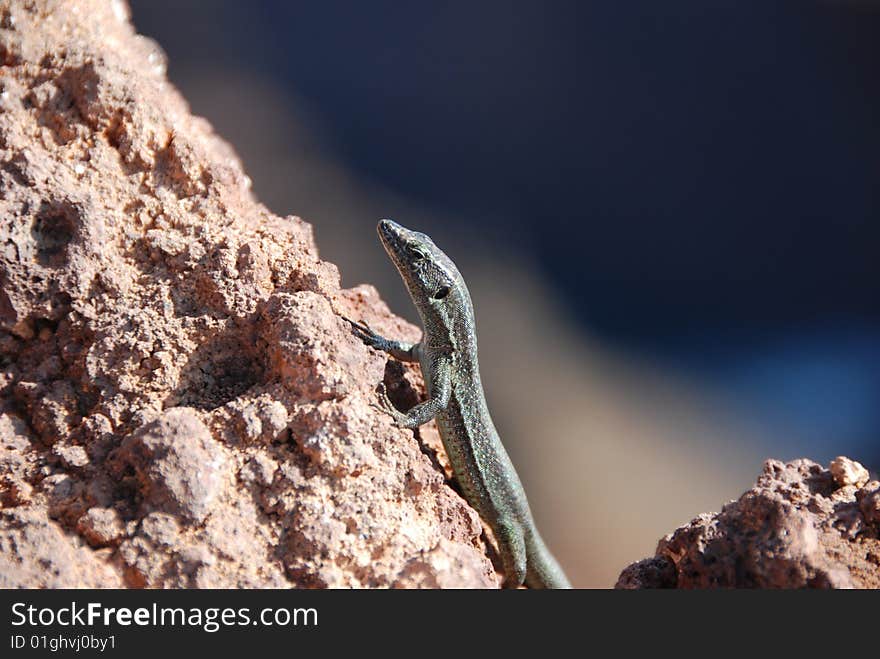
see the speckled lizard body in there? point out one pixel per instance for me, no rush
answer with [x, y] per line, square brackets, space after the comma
[447, 355]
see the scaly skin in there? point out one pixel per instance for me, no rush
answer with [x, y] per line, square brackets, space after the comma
[447, 355]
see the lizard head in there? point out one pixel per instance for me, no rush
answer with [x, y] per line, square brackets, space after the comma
[430, 275]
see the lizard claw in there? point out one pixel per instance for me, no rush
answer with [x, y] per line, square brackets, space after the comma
[360, 326]
[384, 405]
[384, 401]
[365, 333]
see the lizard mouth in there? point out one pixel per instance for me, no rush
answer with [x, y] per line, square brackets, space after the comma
[391, 235]
[389, 232]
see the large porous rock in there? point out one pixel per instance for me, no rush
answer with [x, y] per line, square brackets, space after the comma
[181, 401]
[800, 526]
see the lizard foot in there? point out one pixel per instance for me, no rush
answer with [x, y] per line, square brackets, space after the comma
[367, 334]
[384, 404]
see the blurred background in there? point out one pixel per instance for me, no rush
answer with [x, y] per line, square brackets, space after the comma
[667, 214]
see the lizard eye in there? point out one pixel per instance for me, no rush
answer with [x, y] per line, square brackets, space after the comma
[417, 253]
[441, 292]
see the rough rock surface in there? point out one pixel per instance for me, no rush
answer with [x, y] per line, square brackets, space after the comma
[800, 526]
[182, 403]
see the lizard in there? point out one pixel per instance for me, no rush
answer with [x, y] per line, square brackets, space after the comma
[447, 355]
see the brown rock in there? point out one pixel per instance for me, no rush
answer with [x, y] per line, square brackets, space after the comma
[181, 404]
[848, 472]
[71, 456]
[308, 348]
[36, 553]
[17, 461]
[800, 526]
[178, 466]
[869, 502]
[100, 526]
[657, 572]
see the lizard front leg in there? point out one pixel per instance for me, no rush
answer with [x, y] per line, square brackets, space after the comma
[439, 380]
[439, 383]
[405, 352]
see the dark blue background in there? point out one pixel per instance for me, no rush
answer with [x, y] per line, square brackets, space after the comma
[698, 179]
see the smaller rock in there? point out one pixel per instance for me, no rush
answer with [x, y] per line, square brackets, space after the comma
[65, 496]
[848, 472]
[18, 494]
[800, 526]
[71, 455]
[160, 529]
[14, 433]
[263, 418]
[179, 467]
[52, 408]
[259, 469]
[274, 417]
[100, 526]
[97, 435]
[650, 573]
[869, 502]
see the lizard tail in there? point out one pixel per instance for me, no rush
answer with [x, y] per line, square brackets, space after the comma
[542, 570]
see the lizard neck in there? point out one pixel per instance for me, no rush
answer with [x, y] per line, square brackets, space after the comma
[450, 323]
